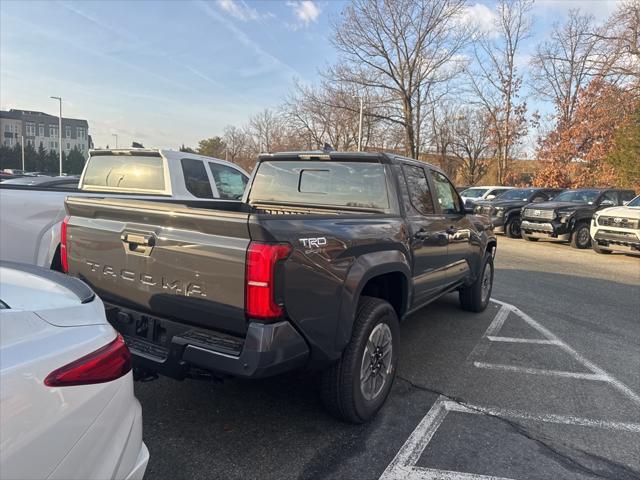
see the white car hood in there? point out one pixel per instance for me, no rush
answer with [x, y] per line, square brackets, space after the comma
[629, 212]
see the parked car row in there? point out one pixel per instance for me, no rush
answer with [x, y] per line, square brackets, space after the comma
[605, 219]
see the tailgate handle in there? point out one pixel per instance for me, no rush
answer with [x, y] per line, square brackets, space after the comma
[141, 244]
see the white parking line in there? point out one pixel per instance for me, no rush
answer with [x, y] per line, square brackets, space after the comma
[537, 341]
[541, 371]
[403, 466]
[588, 364]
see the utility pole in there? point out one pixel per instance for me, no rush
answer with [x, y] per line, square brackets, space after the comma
[22, 144]
[360, 126]
[59, 133]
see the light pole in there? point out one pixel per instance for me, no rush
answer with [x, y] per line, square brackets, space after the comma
[59, 133]
[22, 145]
[115, 135]
[360, 126]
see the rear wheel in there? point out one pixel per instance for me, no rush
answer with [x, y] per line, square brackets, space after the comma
[529, 238]
[356, 387]
[475, 297]
[598, 249]
[512, 227]
[580, 237]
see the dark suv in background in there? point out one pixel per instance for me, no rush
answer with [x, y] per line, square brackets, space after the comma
[568, 216]
[505, 209]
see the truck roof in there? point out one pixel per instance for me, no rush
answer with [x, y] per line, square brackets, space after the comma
[381, 157]
[169, 154]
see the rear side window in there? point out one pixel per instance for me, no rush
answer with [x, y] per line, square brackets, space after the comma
[418, 186]
[195, 178]
[124, 172]
[446, 194]
[229, 181]
[332, 184]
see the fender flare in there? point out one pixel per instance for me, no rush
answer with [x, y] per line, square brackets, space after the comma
[365, 268]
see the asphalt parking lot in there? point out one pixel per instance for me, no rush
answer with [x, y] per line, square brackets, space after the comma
[544, 385]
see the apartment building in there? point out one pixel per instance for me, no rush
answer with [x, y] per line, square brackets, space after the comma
[41, 128]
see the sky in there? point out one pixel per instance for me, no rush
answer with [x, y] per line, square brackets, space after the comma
[167, 73]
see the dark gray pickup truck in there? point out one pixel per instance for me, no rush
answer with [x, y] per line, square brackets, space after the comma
[312, 270]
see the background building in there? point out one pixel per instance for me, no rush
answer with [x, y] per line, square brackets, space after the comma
[42, 128]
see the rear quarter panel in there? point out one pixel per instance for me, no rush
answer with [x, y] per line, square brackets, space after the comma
[321, 284]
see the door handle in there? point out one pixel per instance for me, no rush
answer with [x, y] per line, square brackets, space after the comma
[138, 242]
[421, 234]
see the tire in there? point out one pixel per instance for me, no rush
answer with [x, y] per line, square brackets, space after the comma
[581, 237]
[598, 249]
[512, 227]
[475, 297]
[343, 393]
[528, 238]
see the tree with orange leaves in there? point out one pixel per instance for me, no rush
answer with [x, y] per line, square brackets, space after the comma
[574, 153]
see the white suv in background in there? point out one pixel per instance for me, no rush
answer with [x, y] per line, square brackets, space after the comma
[617, 229]
[472, 194]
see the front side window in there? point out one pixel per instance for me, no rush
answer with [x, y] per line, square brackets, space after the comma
[418, 187]
[195, 178]
[627, 195]
[446, 193]
[474, 192]
[610, 196]
[229, 181]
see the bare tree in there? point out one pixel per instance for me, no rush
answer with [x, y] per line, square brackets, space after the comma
[619, 38]
[472, 144]
[565, 63]
[496, 82]
[264, 129]
[398, 50]
[236, 142]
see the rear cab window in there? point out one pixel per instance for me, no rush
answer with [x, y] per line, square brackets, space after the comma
[127, 173]
[350, 185]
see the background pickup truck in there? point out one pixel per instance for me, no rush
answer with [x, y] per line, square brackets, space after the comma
[568, 216]
[31, 214]
[312, 270]
[617, 229]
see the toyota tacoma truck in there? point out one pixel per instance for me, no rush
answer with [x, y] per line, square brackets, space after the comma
[617, 229]
[312, 270]
[505, 210]
[568, 216]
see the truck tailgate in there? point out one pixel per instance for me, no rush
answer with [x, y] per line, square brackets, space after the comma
[165, 259]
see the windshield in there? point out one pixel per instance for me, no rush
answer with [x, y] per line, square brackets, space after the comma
[635, 202]
[578, 196]
[339, 184]
[474, 192]
[124, 172]
[517, 194]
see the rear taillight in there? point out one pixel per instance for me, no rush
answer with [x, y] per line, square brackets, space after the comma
[262, 259]
[64, 251]
[104, 365]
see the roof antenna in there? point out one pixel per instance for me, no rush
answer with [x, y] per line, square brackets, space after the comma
[328, 148]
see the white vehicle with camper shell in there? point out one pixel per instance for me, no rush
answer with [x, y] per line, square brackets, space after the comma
[472, 194]
[617, 229]
[31, 214]
[67, 408]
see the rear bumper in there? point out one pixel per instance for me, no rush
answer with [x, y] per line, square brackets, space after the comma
[178, 350]
[141, 464]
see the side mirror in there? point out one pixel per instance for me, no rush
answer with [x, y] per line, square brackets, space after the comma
[490, 197]
[607, 203]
